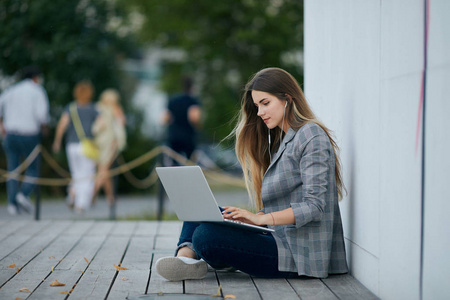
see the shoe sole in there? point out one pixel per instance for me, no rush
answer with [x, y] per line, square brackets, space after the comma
[174, 269]
[27, 207]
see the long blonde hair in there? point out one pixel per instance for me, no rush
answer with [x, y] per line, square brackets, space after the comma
[252, 142]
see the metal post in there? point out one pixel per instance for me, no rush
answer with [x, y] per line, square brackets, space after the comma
[161, 192]
[112, 208]
[37, 211]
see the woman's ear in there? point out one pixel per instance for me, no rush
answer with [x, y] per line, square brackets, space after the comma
[288, 98]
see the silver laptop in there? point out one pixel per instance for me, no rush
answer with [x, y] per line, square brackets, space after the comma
[192, 198]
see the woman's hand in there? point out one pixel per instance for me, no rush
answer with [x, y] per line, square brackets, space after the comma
[242, 215]
[282, 217]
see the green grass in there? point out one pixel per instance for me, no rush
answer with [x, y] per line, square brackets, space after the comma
[149, 216]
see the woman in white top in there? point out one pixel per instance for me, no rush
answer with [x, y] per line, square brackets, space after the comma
[82, 168]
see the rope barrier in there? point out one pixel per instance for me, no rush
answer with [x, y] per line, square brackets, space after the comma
[14, 174]
[138, 183]
[54, 164]
[124, 169]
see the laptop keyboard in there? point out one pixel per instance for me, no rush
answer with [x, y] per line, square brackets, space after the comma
[233, 221]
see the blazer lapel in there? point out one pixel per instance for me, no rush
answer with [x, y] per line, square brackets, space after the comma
[287, 138]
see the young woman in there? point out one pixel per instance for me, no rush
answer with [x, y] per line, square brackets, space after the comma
[292, 171]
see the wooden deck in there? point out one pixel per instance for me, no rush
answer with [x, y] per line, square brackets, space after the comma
[82, 255]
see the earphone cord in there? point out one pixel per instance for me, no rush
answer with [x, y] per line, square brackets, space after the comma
[270, 154]
[282, 123]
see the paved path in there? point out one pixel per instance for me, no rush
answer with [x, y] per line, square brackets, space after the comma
[127, 207]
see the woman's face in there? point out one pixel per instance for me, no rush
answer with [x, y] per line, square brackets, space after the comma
[270, 109]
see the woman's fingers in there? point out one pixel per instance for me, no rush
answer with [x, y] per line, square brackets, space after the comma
[238, 214]
[232, 212]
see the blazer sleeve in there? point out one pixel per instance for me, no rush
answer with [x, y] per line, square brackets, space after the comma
[314, 170]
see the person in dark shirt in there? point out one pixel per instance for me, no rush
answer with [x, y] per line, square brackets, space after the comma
[183, 115]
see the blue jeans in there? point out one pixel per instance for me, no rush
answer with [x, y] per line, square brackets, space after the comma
[224, 246]
[18, 148]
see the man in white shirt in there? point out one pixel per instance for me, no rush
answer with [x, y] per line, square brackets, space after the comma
[24, 114]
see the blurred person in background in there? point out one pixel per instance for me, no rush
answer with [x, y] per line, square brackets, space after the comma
[24, 114]
[110, 137]
[183, 116]
[82, 168]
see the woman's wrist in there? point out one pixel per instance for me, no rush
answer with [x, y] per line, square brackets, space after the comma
[268, 219]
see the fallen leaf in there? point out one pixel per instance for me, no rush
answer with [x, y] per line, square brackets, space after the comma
[18, 298]
[86, 260]
[12, 266]
[57, 283]
[120, 268]
[219, 290]
[124, 279]
[25, 290]
[53, 268]
[229, 296]
[82, 272]
[17, 270]
[64, 292]
[50, 257]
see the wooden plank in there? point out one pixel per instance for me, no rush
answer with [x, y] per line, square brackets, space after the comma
[146, 228]
[22, 255]
[238, 284]
[101, 228]
[9, 227]
[100, 274]
[137, 260]
[275, 289]
[170, 228]
[86, 249]
[71, 268]
[36, 271]
[347, 287]
[166, 244]
[16, 239]
[206, 286]
[160, 285]
[78, 228]
[311, 289]
[124, 228]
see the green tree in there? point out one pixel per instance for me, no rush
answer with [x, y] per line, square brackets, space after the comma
[224, 42]
[70, 41]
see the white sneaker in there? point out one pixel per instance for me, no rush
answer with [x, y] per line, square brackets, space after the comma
[24, 202]
[12, 210]
[181, 268]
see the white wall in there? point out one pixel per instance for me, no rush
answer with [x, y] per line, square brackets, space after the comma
[436, 273]
[363, 73]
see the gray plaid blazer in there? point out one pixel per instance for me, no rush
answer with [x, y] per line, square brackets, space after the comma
[301, 176]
